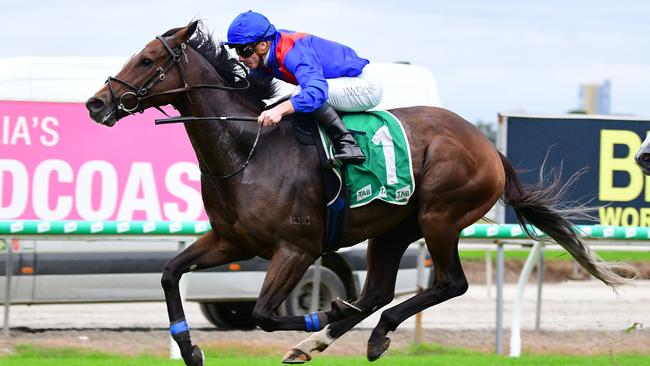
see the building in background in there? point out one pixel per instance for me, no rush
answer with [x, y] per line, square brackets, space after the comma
[595, 98]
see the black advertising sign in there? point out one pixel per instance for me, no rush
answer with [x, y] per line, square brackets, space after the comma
[604, 145]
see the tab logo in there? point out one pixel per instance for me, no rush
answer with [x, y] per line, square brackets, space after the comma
[403, 193]
[470, 230]
[44, 226]
[123, 227]
[69, 227]
[516, 231]
[148, 227]
[175, 227]
[96, 227]
[201, 227]
[364, 192]
[17, 226]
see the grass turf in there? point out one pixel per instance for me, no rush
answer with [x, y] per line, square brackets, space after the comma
[27, 355]
[557, 255]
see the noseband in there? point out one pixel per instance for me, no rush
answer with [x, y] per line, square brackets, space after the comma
[140, 94]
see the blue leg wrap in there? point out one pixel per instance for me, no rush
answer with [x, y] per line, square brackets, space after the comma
[308, 322]
[312, 323]
[179, 327]
[314, 317]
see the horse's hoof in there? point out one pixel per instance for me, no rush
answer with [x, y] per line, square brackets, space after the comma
[377, 348]
[296, 356]
[196, 359]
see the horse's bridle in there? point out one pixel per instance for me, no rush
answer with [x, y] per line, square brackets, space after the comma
[141, 94]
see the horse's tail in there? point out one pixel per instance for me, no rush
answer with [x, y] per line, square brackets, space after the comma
[540, 206]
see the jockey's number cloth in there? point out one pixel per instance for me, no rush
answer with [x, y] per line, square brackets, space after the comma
[387, 173]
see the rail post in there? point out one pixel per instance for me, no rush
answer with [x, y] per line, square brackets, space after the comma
[518, 306]
[499, 300]
[488, 273]
[418, 289]
[315, 288]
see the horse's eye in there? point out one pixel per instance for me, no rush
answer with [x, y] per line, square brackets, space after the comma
[146, 62]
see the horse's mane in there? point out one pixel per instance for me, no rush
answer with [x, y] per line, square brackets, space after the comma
[227, 67]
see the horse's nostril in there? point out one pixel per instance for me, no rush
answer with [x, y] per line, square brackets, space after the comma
[94, 104]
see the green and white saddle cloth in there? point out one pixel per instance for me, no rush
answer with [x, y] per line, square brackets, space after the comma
[387, 173]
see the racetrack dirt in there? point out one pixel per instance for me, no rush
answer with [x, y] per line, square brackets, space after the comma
[578, 317]
[257, 342]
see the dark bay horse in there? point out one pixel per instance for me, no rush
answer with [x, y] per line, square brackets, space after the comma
[458, 174]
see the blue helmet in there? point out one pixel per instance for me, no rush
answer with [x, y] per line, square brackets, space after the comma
[250, 27]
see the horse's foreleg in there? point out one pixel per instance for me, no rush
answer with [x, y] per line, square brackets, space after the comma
[208, 251]
[449, 282]
[383, 256]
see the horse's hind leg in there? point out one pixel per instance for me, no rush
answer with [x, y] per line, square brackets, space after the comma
[208, 251]
[449, 282]
[286, 267]
[383, 256]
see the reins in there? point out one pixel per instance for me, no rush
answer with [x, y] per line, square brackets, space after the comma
[142, 93]
[164, 121]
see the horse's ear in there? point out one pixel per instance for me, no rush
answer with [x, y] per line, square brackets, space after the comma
[185, 33]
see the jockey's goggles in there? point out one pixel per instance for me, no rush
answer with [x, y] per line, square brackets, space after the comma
[245, 50]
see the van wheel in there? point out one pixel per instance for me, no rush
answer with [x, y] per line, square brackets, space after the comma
[230, 315]
[299, 300]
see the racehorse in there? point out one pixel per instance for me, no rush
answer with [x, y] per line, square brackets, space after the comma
[250, 199]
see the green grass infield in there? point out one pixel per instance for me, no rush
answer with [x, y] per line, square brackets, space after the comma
[558, 255]
[27, 355]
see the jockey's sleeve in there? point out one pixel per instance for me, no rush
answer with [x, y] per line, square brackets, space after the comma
[309, 75]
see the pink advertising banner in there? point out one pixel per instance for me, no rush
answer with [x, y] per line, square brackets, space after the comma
[57, 164]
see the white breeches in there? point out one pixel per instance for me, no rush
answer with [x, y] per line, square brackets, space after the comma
[348, 94]
[355, 94]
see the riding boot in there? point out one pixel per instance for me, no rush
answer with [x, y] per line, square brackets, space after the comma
[346, 149]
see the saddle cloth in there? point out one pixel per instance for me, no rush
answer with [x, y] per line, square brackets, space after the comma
[387, 173]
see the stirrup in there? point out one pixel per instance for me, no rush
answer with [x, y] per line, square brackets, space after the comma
[348, 157]
[348, 152]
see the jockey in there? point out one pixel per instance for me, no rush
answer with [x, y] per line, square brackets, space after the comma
[328, 76]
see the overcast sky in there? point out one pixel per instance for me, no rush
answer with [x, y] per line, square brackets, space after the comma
[487, 56]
